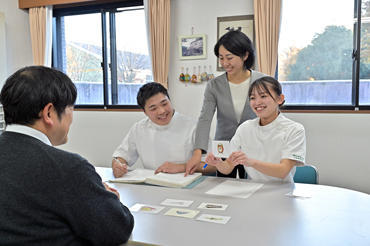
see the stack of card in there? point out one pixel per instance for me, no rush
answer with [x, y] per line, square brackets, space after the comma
[179, 210]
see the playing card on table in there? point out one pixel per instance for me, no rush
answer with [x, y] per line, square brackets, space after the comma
[146, 208]
[182, 212]
[214, 218]
[176, 203]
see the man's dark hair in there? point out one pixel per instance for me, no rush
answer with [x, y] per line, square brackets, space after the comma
[238, 44]
[30, 89]
[148, 90]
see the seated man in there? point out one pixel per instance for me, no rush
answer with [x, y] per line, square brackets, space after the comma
[49, 196]
[163, 141]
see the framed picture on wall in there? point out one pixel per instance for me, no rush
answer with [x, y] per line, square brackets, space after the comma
[192, 47]
[244, 23]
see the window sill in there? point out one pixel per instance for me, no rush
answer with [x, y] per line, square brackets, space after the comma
[110, 109]
[327, 111]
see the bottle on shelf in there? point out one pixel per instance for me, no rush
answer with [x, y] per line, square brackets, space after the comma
[194, 76]
[204, 75]
[199, 77]
[187, 76]
[210, 74]
[182, 75]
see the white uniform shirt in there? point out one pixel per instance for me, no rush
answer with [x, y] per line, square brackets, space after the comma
[155, 144]
[281, 139]
[239, 94]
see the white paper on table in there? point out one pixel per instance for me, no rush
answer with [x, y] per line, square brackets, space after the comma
[176, 203]
[235, 189]
[214, 218]
[221, 149]
[135, 176]
[213, 206]
[146, 208]
[182, 212]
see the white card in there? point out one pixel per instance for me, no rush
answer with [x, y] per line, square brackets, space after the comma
[214, 218]
[221, 149]
[213, 206]
[176, 203]
[182, 212]
[146, 208]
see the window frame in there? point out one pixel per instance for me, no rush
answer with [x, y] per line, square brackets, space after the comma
[103, 9]
[356, 54]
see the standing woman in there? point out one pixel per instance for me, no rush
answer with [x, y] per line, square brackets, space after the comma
[228, 93]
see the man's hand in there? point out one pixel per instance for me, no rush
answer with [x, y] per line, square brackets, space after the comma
[119, 167]
[193, 163]
[169, 167]
[108, 188]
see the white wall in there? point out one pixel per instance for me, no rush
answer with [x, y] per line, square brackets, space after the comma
[3, 64]
[17, 41]
[338, 144]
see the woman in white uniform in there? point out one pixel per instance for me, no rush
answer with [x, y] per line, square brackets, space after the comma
[270, 146]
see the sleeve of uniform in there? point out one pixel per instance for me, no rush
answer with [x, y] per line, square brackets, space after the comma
[295, 146]
[205, 119]
[127, 149]
[94, 214]
[236, 141]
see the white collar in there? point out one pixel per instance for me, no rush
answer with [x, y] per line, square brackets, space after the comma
[26, 130]
[163, 127]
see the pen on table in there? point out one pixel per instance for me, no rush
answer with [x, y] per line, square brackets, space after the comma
[205, 165]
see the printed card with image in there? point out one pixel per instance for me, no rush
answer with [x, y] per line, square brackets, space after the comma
[213, 206]
[146, 208]
[221, 149]
[182, 212]
[214, 218]
[177, 203]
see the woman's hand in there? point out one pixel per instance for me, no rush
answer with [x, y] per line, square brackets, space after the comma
[239, 157]
[212, 160]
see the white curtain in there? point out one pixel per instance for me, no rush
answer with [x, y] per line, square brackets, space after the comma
[146, 12]
[41, 34]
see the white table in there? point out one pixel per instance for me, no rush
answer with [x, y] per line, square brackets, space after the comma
[332, 216]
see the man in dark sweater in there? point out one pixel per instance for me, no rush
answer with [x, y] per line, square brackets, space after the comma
[49, 196]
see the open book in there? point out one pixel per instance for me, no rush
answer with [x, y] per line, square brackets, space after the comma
[176, 180]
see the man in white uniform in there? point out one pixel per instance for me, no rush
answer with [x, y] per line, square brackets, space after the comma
[163, 141]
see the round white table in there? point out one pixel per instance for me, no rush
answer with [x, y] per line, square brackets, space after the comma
[331, 216]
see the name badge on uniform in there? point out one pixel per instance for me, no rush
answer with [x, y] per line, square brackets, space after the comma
[221, 149]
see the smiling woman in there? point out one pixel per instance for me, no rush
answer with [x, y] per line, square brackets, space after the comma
[236, 53]
[270, 146]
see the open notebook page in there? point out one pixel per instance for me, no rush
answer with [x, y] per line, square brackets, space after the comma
[135, 176]
[175, 180]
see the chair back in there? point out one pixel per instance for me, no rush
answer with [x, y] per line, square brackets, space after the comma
[307, 174]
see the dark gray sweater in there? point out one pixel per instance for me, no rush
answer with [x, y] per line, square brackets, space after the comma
[52, 197]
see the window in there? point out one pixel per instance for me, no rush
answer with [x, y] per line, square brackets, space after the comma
[324, 54]
[104, 50]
